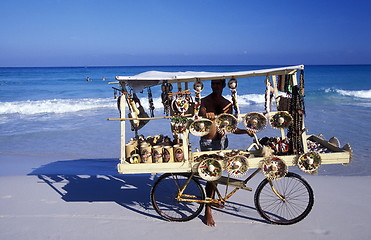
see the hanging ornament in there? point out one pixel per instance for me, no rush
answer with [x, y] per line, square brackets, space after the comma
[178, 124]
[309, 162]
[301, 83]
[210, 169]
[166, 97]
[281, 120]
[237, 166]
[232, 84]
[273, 168]
[198, 86]
[200, 127]
[226, 123]
[296, 129]
[180, 104]
[255, 121]
[268, 97]
[150, 100]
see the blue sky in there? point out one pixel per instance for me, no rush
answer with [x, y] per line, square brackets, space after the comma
[192, 32]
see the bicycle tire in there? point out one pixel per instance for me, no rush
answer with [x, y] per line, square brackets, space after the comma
[165, 191]
[298, 195]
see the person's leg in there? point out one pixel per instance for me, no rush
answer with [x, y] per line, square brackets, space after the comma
[224, 143]
[209, 145]
[206, 144]
[210, 193]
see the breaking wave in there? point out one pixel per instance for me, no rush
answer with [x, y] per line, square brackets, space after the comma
[357, 94]
[60, 106]
[57, 106]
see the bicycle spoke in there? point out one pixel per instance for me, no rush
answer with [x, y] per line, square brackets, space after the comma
[296, 204]
[164, 197]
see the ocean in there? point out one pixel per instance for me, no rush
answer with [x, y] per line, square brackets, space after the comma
[54, 114]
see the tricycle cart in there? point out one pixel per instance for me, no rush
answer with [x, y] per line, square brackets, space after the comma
[281, 198]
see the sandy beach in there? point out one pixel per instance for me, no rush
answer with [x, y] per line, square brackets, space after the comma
[87, 199]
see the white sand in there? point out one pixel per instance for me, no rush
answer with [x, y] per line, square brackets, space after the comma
[88, 200]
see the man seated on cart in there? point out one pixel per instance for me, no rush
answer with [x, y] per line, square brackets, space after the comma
[211, 106]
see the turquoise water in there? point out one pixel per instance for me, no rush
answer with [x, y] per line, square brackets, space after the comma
[55, 113]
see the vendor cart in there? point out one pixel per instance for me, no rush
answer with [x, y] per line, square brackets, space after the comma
[281, 198]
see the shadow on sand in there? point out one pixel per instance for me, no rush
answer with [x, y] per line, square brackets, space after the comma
[97, 180]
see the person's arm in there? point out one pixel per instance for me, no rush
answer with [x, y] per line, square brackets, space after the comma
[244, 131]
[228, 109]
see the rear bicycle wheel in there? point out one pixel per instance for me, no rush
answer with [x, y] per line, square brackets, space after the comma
[165, 191]
[297, 202]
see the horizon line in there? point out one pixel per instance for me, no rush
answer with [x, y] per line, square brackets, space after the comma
[184, 65]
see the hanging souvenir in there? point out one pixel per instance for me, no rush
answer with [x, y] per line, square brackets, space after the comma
[273, 168]
[179, 124]
[301, 83]
[226, 123]
[136, 111]
[114, 93]
[150, 100]
[198, 86]
[166, 97]
[200, 127]
[296, 128]
[182, 103]
[281, 120]
[281, 83]
[309, 162]
[268, 95]
[288, 84]
[210, 169]
[237, 166]
[232, 84]
[255, 121]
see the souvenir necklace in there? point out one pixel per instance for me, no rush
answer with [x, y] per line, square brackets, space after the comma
[232, 84]
[166, 97]
[268, 99]
[151, 105]
[197, 87]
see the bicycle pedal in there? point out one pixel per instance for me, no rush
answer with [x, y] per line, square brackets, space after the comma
[246, 188]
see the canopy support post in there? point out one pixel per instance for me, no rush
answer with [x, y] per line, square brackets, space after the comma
[122, 107]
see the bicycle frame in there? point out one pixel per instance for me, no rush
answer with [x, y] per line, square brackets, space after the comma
[191, 198]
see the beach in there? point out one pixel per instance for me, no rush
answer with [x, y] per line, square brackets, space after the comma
[58, 155]
[111, 206]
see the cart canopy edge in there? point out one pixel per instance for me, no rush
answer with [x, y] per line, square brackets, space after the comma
[152, 78]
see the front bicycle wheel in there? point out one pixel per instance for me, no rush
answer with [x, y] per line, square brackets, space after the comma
[164, 197]
[295, 203]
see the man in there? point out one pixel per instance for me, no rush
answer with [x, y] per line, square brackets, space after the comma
[211, 106]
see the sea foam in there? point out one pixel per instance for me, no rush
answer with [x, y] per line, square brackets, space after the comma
[358, 94]
[60, 106]
[54, 106]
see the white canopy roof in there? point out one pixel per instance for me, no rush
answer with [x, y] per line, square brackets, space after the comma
[152, 78]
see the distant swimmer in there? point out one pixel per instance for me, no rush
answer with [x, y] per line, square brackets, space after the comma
[103, 79]
[88, 79]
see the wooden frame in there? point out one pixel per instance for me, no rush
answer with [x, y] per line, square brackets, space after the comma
[337, 156]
